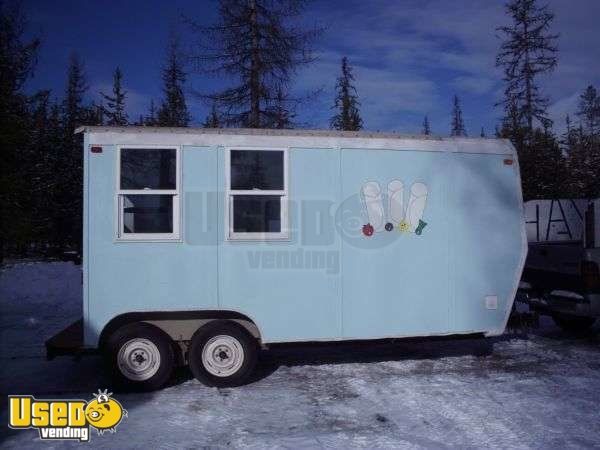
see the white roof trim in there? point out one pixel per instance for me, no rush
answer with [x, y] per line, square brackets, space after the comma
[232, 137]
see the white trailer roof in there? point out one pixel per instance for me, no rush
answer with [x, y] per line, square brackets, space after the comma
[298, 138]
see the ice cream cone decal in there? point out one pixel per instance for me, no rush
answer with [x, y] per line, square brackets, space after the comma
[395, 191]
[416, 206]
[407, 216]
[373, 204]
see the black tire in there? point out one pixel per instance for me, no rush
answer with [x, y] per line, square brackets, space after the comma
[125, 339]
[573, 324]
[211, 331]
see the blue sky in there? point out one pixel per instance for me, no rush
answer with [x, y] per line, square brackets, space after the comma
[409, 57]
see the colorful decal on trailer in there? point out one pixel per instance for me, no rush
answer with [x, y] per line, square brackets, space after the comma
[406, 218]
[373, 203]
[395, 193]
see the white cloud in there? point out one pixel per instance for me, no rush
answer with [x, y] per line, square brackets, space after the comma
[473, 84]
[385, 94]
[411, 56]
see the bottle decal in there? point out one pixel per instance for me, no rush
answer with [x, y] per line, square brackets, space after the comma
[406, 217]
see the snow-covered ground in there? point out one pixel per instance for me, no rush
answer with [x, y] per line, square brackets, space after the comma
[540, 390]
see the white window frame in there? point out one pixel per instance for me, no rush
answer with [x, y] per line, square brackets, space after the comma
[120, 235]
[231, 235]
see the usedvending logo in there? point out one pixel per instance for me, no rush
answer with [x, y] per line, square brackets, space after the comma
[66, 419]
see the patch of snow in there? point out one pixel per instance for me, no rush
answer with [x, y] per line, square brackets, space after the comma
[540, 390]
[524, 285]
[36, 301]
[567, 294]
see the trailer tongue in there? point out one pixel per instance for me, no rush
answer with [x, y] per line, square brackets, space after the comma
[67, 342]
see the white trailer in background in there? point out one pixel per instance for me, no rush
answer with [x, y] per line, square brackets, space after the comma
[561, 276]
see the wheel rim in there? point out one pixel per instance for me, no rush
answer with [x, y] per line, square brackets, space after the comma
[222, 356]
[138, 359]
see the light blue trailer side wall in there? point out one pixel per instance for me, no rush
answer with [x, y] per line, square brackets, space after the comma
[402, 284]
[486, 241]
[150, 276]
[396, 283]
[329, 280]
[291, 289]
[85, 237]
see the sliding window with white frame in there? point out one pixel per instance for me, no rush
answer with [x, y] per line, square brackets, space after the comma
[148, 193]
[256, 193]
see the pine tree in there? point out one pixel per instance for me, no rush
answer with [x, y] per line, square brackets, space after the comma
[545, 167]
[17, 60]
[346, 102]
[151, 120]
[513, 129]
[73, 110]
[570, 143]
[38, 155]
[281, 115]
[45, 157]
[173, 111]
[212, 120]
[115, 104]
[584, 147]
[260, 44]
[93, 115]
[568, 136]
[426, 127]
[528, 52]
[589, 111]
[55, 143]
[458, 126]
[68, 175]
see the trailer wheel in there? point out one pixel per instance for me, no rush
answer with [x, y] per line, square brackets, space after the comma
[222, 354]
[141, 356]
[573, 324]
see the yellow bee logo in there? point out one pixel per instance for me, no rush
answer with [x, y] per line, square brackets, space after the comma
[104, 413]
